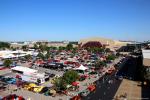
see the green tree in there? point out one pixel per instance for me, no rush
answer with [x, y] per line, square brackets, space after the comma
[59, 84]
[100, 64]
[4, 45]
[60, 48]
[111, 57]
[42, 47]
[107, 50]
[74, 50]
[24, 47]
[69, 46]
[27, 57]
[35, 46]
[41, 56]
[70, 76]
[7, 62]
[95, 49]
[48, 55]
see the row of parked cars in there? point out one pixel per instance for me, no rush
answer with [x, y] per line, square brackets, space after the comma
[12, 97]
[90, 88]
[52, 65]
[47, 91]
[122, 66]
[9, 80]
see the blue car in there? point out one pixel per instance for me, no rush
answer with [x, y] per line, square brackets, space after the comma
[10, 80]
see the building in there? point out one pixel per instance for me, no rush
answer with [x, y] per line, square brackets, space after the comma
[109, 43]
[4, 54]
[146, 58]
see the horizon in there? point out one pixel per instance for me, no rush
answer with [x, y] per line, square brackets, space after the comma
[72, 20]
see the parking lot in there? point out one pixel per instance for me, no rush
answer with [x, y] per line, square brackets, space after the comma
[13, 89]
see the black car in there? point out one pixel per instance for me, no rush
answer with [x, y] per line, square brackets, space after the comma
[44, 90]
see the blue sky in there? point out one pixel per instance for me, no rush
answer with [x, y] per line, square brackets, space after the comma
[74, 19]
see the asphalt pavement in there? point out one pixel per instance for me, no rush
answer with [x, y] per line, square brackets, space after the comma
[106, 90]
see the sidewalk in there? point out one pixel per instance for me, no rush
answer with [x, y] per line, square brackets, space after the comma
[131, 88]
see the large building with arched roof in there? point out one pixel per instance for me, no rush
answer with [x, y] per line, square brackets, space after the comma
[109, 43]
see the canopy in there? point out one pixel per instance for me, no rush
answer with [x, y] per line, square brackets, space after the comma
[81, 67]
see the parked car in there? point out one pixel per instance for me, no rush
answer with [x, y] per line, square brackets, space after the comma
[11, 80]
[45, 89]
[77, 97]
[8, 80]
[38, 89]
[29, 86]
[85, 93]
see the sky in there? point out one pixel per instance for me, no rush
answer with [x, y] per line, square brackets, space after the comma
[57, 20]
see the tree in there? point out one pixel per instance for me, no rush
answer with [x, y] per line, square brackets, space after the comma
[4, 45]
[41, 56]
[107, 50]
[42, 47]
[27, 57]
[111, 57]
[7, 62]
[60, 48]
[100, 64]
[24, 47]
[69, 46]
[95, 49]
[70, 76]
[47, 55]
[35, 46]
[60, 84]
[74, 50]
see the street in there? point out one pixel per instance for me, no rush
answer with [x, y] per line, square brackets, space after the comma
[106, 90]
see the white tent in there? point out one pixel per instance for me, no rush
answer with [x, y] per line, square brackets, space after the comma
[81, 67]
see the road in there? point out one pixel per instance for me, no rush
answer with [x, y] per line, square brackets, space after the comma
[105, 90]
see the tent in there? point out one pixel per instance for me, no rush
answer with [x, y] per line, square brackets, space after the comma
[81, 67]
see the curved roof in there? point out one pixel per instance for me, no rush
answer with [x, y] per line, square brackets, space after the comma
[92, 44]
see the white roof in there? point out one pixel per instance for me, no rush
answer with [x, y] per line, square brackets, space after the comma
[146, 54]
[24, 69]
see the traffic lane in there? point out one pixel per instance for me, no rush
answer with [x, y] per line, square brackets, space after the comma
[104, 90]
[129, 69]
